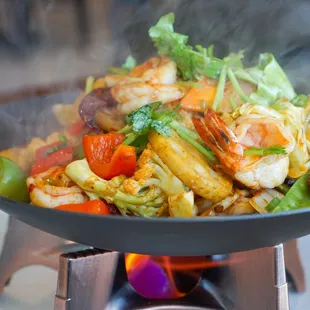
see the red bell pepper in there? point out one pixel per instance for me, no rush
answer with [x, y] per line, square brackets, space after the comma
[60, 157]
[107, 157]
[90, 207]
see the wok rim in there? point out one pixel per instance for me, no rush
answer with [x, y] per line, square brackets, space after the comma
[163, 220]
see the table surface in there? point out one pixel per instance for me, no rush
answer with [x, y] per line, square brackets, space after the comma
[33, 288]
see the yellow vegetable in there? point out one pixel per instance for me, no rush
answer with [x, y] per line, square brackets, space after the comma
[182, 205]
[190, 166]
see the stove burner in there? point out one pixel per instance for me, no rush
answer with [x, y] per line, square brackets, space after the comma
[93, 279]
[173, 307]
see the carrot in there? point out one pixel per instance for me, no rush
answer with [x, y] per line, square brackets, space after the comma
[198, 99]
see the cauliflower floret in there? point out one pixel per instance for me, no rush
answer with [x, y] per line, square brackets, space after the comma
[80, 173]
[154, 190]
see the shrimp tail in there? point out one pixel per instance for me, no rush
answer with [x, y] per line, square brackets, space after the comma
[206, 135]
[221, 140]
[223, 135]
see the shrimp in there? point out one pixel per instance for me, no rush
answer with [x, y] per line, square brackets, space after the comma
[229, 144]
[295, 120]
[53, 188]
[157, 70]
[133, 96]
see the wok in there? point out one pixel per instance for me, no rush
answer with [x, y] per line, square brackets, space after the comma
[158, 236]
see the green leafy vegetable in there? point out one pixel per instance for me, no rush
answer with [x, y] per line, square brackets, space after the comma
[257, 151]
[272, 82]
[192, 63]
[191, 137]
[146, 118]
[149, 117]
[89, 84]
[283, 188]
[273, 204]
[236, 85]
[129, 64]
[300, 100]
[298, 196]
[233, 60]
[220, 89]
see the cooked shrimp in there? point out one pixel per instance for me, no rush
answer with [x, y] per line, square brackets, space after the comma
[295, 120]
[157, 70]
[53, 188]
[259, 131]
[133, 96]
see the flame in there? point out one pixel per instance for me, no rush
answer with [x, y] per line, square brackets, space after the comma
[169, 270]
[133, 260]
[173, 265]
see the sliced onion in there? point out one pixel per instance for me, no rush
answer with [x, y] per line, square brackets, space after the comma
[262, 198]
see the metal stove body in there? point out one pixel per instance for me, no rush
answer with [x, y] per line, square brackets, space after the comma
[93, 279]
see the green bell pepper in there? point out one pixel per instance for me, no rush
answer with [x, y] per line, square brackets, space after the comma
[12, 181]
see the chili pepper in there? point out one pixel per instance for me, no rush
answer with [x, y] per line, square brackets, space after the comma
[91, 207]
[61, 157]
[12, 181]
[107, 157]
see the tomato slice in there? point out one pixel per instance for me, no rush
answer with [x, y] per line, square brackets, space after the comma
[58, 158]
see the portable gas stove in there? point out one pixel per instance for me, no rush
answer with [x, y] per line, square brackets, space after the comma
[93, 279]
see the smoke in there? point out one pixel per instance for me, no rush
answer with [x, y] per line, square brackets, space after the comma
[281, 27]
[21, 121]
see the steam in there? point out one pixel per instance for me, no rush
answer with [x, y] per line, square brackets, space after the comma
[21, 121]
[280, 27]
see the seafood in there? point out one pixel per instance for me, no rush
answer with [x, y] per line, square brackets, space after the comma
[228, 144]
[133, 96]
[294, 120]
[156, 70]
[183, 134]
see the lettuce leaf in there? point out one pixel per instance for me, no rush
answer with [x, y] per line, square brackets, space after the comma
[192, 63]
[130, 63]
[272, 82]
[297, 197]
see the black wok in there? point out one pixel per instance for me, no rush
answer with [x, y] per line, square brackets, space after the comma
[161, 236]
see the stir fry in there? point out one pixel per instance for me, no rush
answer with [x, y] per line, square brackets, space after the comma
[183, 134]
